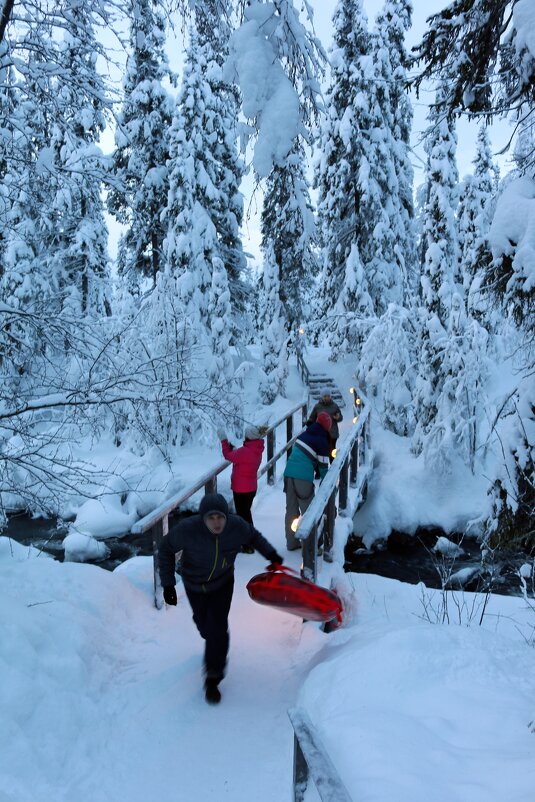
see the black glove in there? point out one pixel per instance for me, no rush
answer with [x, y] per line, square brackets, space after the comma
[169, 595]
[276, 559]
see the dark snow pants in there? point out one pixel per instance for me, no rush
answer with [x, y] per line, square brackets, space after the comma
[210, 614]
[243, 503]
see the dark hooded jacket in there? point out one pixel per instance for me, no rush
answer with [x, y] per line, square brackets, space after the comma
[310, 452]
[207, 560]
[333, 410]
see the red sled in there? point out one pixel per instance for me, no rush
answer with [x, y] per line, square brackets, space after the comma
[283, 589]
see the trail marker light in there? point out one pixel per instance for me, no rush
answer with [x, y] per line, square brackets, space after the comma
[333, 453]
[295, 524]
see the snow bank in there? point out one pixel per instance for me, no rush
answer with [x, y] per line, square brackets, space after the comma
[427, 711]
[403, 495]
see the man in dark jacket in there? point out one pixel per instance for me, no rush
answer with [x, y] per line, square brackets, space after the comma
[326, 404]
[209, 542]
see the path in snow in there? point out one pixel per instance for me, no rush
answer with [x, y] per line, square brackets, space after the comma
[166, 738]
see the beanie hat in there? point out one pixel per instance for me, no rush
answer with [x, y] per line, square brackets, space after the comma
[326, 391]
[252, 433]
[325, 421]
[213, 502]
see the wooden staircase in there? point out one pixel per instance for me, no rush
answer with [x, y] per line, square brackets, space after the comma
[316, 382]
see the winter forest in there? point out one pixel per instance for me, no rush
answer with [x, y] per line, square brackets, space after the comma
[430, 288]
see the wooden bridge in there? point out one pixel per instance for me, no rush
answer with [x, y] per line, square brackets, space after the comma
[341, 492]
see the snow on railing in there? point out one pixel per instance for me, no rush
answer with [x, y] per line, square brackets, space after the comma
[311, 758]
[352, 459]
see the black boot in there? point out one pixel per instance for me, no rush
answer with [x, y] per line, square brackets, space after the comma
[212, 694]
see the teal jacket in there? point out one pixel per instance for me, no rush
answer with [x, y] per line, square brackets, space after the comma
[310, 451]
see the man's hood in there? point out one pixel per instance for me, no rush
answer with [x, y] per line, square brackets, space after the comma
[213, 502]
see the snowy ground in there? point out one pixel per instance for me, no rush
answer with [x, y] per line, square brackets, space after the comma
[101, 695]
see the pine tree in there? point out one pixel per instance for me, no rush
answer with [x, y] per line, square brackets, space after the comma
[77, 241]
[440, 247]
[274, 337]
[214, 32]
[221, 365]
[191, 242]
[390, 143]
[288, 232]
[139, 182]
[508, 285]
[440, 236]
[386, 368]
[476, 209]
[204, 208]
[464, 370]
[353, 313]
[221, 369]
[337, 167]
[24, 281]
[482, 70]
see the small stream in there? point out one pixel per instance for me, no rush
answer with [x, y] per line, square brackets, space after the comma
[408, 558]
[46, 535]
[412, 559]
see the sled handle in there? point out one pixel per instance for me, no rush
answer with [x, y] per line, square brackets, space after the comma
[283, 568]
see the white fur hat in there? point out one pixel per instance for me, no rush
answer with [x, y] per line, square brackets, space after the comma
[254, 432]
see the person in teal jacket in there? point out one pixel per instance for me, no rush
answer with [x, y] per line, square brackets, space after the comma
[310, 452]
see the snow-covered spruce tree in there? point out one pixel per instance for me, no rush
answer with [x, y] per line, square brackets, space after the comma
[455, 431]
[353, 313]
[213, 32]
[221, 367]
[440, 248]
[274, 338]
[138, 181]
[474, 216]
[490, 74]
[191, 240]
[24, 280]
[76, 244]
[483, 71]
[220, 364]
[390, 143]
[345, 198]
[440, 232]
[387, 368]
[204, 208]
[288, 233]
[509, 284]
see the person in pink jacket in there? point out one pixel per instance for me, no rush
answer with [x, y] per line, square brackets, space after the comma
[245, 464]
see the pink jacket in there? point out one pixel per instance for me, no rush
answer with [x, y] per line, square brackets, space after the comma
[245, 464]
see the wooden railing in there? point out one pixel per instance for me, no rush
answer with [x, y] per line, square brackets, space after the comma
[311, 758]
[302, 367]
[351, 463]
[157, 521]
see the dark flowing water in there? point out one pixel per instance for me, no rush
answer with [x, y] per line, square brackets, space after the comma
[409, 558]
[47, 535]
